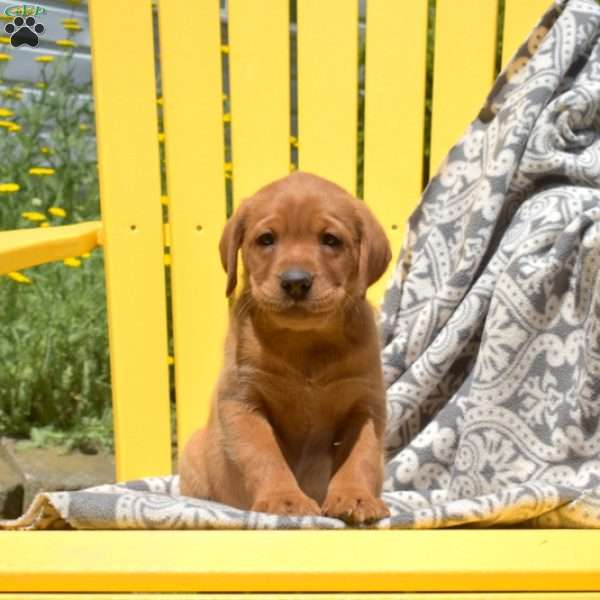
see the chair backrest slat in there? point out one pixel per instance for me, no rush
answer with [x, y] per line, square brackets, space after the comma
[126, 121]
[190, 42]
[519, 19]
[464, 64]
[327, 89]
[396, 41]
[260, 93]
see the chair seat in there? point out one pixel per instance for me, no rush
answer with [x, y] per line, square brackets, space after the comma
[302, 561]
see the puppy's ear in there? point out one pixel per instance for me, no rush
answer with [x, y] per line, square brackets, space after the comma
[231, 241]
[375, 253]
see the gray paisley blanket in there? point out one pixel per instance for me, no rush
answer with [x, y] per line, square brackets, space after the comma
[490, 327]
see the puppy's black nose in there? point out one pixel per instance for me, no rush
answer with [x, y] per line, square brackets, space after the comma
[296, 283]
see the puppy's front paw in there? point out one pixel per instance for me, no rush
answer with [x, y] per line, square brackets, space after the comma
[291, 504]
[355, 506]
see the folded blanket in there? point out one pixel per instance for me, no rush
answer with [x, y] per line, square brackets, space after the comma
[490, 327]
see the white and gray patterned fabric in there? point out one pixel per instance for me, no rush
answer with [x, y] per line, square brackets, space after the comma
[490, 328]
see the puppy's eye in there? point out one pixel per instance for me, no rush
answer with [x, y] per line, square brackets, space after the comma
[328, 239]
[266, 239]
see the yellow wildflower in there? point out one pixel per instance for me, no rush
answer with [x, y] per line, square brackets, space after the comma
[4, 39]
[170, 360]
[167, 259]
[34, 216]
[18, 277]
[14, 127]
[72, 262]
[66, 43]
[4, 56]
[7, 124]
[46, 58]
[71, 27]
[70, 21]
[9, 187]
[164, 200]
[86, 255]
[224, 48]
[45, 150]
[41, 171]
[12, 93]
[161, 137]
[227, 117]
[6, 112]
[45, 224]
[57, 211]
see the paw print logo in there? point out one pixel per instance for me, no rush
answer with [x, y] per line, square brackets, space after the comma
[24, 31]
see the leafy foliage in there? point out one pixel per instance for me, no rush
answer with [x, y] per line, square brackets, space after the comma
[54, 369]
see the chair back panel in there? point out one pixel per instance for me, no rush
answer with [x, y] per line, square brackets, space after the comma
[328, 89]
[465, 58]
[260, 101]
[128, 161]
[259, 67]
[396, 43]
[194, 149]
[519, 19]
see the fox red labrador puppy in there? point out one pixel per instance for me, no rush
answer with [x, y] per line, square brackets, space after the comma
[298, 415]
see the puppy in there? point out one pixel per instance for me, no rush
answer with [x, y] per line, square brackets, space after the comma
[298, 415]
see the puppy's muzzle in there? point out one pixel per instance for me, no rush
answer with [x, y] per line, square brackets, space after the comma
[296, 283]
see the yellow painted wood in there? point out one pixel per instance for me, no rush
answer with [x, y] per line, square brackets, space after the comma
[302, 561]
[24, 248]
[193, 117]
[396, 48]
[260, 97]
[328, 89]
[128, 161]
[464, 62]
[519, 19]
[317, 596]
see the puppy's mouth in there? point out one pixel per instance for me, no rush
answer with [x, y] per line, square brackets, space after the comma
[285, 307]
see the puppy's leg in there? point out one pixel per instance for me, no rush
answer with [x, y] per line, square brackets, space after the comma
[252, 445]
[353, 493]
[193, 476]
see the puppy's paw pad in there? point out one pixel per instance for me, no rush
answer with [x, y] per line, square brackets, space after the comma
[355, 507]
[289, 504]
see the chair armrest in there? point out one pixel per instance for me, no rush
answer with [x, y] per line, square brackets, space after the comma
[22, 248]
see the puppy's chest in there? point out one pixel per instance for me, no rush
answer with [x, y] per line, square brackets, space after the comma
[301, 405]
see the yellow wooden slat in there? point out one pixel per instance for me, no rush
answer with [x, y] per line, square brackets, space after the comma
[464, 63]
[519, 19]
[301, 561]
[126, 125]
[260, 96]
[317, 596]
[327, 89]
[193, 114]
[29, 247]
[396, 43]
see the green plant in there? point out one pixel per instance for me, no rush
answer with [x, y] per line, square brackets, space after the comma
[54, 369]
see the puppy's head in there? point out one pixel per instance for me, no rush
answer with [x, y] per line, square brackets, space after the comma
[307, 247]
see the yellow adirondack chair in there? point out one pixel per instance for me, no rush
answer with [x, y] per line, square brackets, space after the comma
[134, 237]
